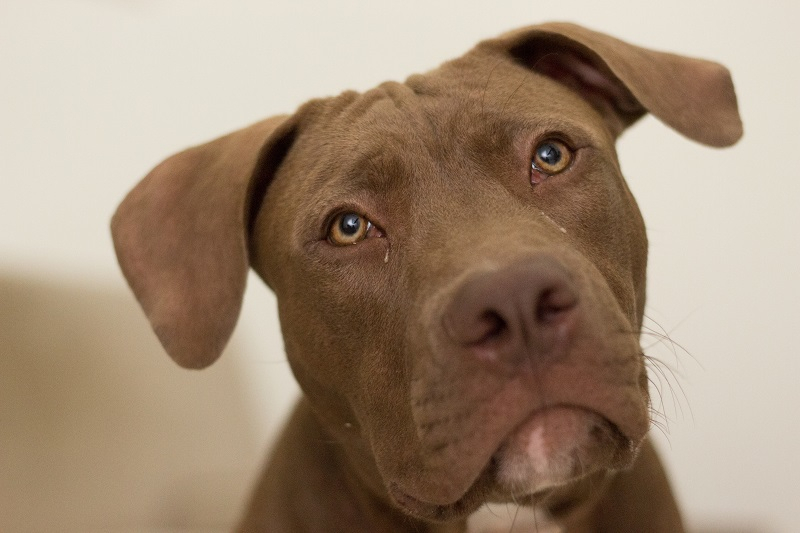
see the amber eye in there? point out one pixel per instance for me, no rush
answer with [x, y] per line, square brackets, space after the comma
[348, 228]
[551, 157]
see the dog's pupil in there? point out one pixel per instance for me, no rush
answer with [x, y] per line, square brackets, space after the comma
[549, 153]
[350, 224]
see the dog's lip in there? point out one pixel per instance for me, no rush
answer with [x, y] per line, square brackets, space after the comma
[557, 445]
[624, 442]
[475, 496]
[485, 486]
[470, 501]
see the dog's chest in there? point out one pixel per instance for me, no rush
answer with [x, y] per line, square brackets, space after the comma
[510, 518]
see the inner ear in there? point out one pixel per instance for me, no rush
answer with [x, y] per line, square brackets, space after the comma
[585, 73]
[269, 160]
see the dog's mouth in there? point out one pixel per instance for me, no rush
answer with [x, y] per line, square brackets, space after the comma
[554, 448]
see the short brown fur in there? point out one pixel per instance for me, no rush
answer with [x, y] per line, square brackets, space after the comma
[418, 408]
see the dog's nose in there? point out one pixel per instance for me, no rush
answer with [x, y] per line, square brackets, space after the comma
[523, 312]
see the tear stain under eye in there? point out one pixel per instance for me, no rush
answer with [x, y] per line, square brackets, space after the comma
[561, 228]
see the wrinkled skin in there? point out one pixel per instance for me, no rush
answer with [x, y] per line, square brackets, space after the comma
[480, 343]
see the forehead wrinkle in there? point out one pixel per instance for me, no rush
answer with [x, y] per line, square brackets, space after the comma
[370, 164]
[387, 97]
[389, 134]
[382, 141]
[378, 170]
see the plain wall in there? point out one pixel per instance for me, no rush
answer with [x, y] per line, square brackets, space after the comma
[99, 431]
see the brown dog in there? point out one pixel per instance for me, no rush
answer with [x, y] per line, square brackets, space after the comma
[460, 272]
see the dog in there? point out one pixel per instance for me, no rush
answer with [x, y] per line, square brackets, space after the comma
[460, 274]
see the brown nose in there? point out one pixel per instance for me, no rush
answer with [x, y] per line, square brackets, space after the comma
[523, 313]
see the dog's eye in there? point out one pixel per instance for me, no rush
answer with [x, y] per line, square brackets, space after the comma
[348, 228]
[550, 157]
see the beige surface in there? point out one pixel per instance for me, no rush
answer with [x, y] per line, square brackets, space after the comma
[99, 431]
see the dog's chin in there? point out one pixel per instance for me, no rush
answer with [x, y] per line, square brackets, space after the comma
[553, 448]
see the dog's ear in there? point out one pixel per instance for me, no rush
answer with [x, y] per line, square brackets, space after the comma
[623, 82]
[181, 237]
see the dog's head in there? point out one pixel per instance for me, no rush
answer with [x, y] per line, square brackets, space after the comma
[459, 265]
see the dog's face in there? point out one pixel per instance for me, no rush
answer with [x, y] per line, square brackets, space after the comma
[440, 177]
[459, 265]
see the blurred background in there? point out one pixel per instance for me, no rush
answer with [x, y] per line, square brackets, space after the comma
[100, 431]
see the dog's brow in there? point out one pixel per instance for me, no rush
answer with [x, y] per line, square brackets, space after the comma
[377, 170]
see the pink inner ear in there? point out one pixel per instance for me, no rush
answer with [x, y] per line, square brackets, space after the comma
[600, 88]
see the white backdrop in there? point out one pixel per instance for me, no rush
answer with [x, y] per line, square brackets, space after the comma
[99, 431]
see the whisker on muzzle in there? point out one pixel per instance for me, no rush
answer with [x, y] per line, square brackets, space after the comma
[665, 378]
[666, 372]
[664, 338]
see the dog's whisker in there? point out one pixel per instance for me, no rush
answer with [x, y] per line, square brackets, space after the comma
[667, 372]
[536, 519]
[660, 419]
[666, 336]
[664, 431]
[659, 416]
[670, 374]
[514, 92]
[677, 407]
[663, 340]
[486, 85]
[657, 388]
[514, 520]
[489, 508]
[662, 426]
[662, 377]
[662, 366]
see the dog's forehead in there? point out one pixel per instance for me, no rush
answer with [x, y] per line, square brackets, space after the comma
[444, 116]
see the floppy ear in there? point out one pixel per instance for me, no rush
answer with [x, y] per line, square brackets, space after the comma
[622, 81]
[181, 237]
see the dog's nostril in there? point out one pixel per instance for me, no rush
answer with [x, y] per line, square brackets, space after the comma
[491, 326]
[477, 329]
[554, 303]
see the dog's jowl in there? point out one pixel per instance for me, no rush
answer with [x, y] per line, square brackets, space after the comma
[460, 274]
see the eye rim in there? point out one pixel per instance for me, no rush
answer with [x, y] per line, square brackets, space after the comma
[336, 237]
[540, 169]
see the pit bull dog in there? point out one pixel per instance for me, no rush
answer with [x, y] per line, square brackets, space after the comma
[460, 275]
